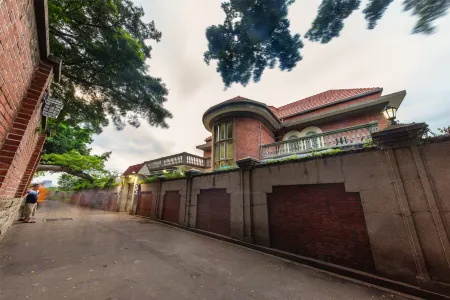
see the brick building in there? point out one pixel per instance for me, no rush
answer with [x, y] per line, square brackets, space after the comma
[242, 128]
[344, 118]
[26, 72]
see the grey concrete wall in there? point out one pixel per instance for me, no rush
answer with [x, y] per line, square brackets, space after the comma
[60, 196]
[9, 212]
[229, 181]
[405, 194]
[105, 199]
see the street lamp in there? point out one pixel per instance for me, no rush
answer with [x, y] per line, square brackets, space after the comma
[390, 113]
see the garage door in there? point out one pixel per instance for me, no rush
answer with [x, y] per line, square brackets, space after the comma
[171, 207]
[213, 211]
[145, 204]
[320, 221]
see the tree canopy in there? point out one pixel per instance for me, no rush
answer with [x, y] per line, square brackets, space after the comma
[65, 137]
[104, 48]
[256, 34]
[104, 45]
[72, 162]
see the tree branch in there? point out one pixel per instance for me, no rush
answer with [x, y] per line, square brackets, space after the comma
[55, 168]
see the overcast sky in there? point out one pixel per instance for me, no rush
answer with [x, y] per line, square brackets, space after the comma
[388, 57]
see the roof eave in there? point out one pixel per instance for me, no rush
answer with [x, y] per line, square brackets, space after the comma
[394, 100]
[204, 147]
[41, 12]
[333, 103]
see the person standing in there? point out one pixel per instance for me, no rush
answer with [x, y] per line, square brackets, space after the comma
[31, 203]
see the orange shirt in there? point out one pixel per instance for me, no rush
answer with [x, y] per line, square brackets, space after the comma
[43, 193]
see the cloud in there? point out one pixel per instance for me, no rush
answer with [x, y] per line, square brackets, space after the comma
[388, 56]
[130, 146]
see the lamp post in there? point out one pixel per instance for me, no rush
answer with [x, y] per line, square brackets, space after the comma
[390, 113]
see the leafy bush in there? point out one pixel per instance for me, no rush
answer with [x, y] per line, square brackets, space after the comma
[315, 154]
[369, 144]
[444, 131]
[177, 174]
[226, 168]
[329, 152]
[174, 175]
[151, 179]
[102, 180]
[277, 160]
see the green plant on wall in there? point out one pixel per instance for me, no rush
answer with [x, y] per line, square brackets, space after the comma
[168, 175]
[151, 179]
[444, 131]
[369, 144]
[226, 168]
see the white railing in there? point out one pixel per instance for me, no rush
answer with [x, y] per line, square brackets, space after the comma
[178, 160]
[343, 138]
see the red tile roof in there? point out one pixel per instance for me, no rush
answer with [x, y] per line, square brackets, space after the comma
[325, 98]
[328, 97]
[133, 169]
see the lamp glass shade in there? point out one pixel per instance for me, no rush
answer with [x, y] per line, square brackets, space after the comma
[390, 112]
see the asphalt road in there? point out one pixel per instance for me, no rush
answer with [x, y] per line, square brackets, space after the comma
[104, 256]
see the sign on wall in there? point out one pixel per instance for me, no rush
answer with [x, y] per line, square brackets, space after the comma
[52, 108]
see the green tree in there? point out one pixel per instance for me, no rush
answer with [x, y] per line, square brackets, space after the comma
[332, 13]
[255, 33]
[69, 182]
[72, 162]
[104, 48]
[65, 137]
[330, 19]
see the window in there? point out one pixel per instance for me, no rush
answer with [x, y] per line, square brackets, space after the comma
[223, 144]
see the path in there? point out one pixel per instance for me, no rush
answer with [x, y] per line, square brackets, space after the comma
[102, 255]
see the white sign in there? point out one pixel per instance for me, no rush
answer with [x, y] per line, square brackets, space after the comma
[52, 108]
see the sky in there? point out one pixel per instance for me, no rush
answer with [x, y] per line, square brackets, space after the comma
[388, 56]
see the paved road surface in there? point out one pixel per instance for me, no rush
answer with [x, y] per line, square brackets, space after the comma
[101, 256]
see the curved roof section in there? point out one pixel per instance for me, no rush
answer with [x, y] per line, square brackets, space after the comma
[239, 106]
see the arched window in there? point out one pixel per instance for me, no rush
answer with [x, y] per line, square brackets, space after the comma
[291, 135]
[311, 130]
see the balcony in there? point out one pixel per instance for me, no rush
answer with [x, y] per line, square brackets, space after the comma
[347, 138]
[178, 160]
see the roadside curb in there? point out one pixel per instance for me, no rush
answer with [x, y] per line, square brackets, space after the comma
[350, 274]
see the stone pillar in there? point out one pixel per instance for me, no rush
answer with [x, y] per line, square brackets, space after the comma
[246, 165]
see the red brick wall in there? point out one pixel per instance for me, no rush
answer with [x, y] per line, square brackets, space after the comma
[31, 167]
[346, 122]
[354, 121]
[19, 57]
[21, 141]
[321, 221]
[206, 153]
[249, 135]
[22, 82]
